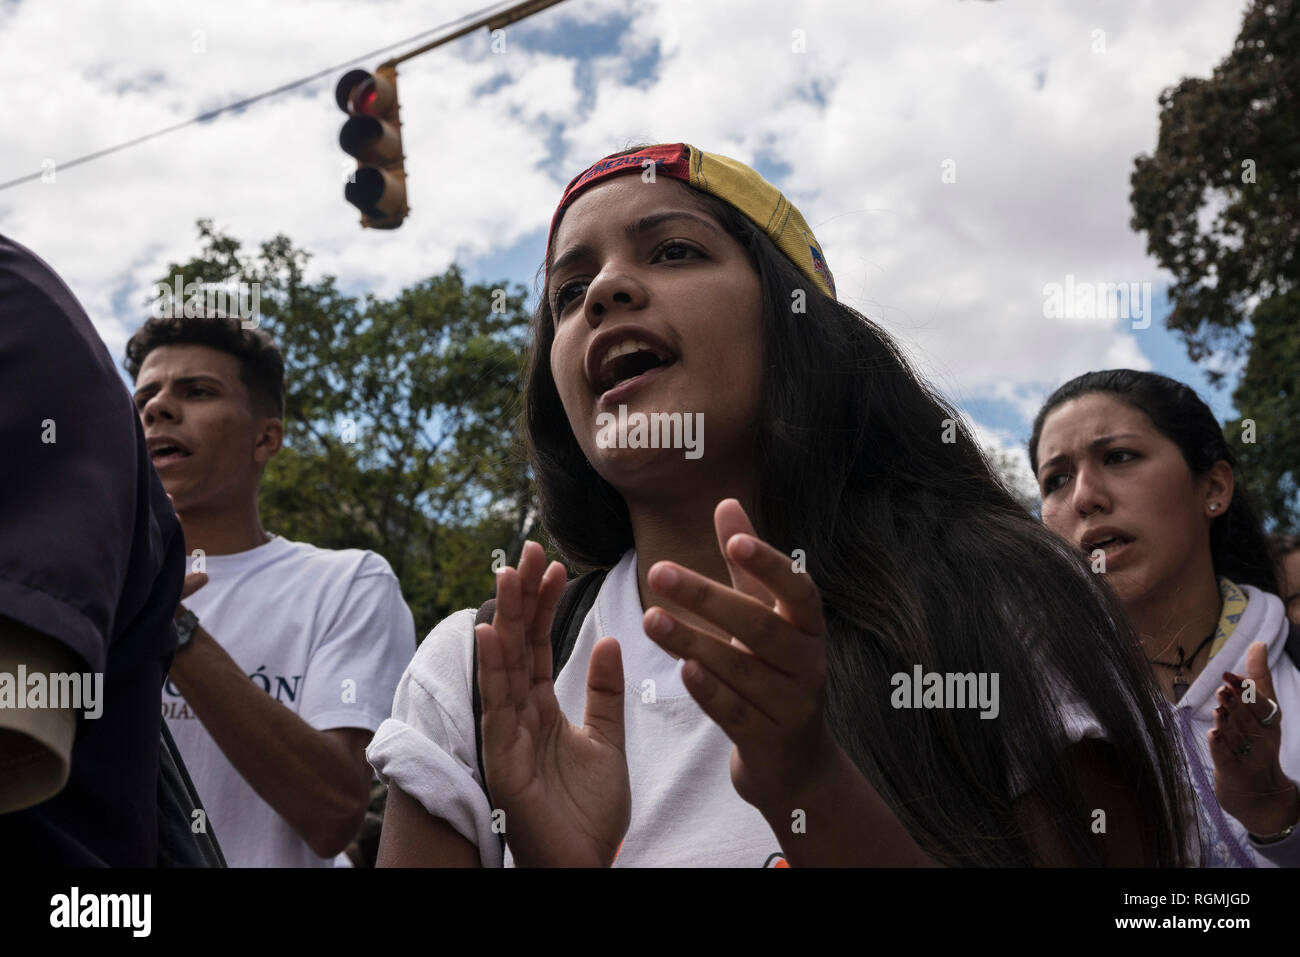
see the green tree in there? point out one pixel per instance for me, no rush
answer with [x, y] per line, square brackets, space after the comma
[1015, 475]
[401, 419]
[1219, 201]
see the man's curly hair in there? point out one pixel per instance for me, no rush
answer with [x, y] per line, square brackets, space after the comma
[260, 362]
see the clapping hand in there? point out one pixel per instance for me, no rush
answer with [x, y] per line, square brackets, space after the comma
[564, 789]
[764, 683]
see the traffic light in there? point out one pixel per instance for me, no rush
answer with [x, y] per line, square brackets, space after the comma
[373, 134]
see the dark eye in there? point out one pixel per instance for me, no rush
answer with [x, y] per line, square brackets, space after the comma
[199, 390]
[678, 245]
[1050, 484]
[563, 297]
[1112, 456]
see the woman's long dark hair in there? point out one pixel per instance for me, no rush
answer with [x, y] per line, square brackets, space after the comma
[922, 557]
[1238, 546]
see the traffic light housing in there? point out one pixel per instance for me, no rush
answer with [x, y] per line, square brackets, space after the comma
[373, 135]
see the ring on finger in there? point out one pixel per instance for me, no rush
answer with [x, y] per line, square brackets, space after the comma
[1272, 715]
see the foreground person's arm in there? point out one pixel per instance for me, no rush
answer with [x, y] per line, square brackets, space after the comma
[318, 781]
[412, 837]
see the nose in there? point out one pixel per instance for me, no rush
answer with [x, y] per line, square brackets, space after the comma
[160, 406]
[613, 290]
[1089, 491]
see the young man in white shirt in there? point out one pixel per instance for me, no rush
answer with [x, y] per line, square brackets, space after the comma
[289, 653]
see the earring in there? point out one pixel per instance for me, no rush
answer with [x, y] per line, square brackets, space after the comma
[1214, 506]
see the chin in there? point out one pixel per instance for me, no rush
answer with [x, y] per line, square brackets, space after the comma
[641, 468]
[1130, 587]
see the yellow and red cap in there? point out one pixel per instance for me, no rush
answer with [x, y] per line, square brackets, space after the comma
[729, 180]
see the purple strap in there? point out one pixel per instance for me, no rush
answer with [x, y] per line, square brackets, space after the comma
[1205, 791]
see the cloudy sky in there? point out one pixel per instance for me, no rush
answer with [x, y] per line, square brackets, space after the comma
[953, 156]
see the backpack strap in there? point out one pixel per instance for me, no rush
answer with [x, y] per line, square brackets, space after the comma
[178, 844]
[570, 612]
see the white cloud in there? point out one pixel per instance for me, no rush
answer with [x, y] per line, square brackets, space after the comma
[1042, 129]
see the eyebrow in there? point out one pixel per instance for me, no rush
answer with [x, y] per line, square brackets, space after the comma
[1094, 444]
[152, 387]
[642, 225]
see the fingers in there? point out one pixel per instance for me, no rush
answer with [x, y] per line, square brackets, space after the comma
[605, 692]
[738, 718]
[1220, 749]
[525, 609]
[508, 625]
[193, 582]
[1253, 713]
[729, 519]
[503, 713]
[747, 675]
[1236, 727]
[532, 562]
[779, 636]
[1257, 668]
[798, 599]
[539, 630]
[759, 627]
[1230, 733]
[494, 685]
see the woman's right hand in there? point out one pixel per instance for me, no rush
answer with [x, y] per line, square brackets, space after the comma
[1248, 778]
[564, 790]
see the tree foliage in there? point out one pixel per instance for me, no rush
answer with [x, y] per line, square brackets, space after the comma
[400, 422]
[1219, 201]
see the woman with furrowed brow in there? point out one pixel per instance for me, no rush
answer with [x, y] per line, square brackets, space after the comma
[732, 695]
[1135, 473]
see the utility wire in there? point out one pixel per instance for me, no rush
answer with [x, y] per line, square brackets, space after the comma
[212, 114]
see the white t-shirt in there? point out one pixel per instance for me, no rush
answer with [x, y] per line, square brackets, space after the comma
[326, 633]
[685, 811]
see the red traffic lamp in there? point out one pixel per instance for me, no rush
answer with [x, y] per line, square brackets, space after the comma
[373, 134]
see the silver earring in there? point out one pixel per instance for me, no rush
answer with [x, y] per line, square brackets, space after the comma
[1214, 506]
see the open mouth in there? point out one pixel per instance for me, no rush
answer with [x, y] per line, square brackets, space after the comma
[1111, 544]
[165, 453]
[628, 360]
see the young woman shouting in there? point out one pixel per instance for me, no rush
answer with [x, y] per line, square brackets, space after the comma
[830, 638]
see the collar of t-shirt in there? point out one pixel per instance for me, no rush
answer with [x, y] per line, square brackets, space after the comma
[221, 566]
[1234, 604]
[619, 613]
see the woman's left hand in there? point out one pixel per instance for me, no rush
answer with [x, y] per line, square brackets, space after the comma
[763, 681]
[1248, 777]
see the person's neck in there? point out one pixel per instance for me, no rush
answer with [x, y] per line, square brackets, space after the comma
[1179, 615]
[223, 529]
[681, 532]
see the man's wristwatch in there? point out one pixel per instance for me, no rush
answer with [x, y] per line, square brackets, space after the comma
[186, 622]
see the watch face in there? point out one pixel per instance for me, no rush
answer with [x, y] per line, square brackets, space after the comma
[185, 626]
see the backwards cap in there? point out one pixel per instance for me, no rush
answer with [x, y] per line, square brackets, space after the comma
[730, 181]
